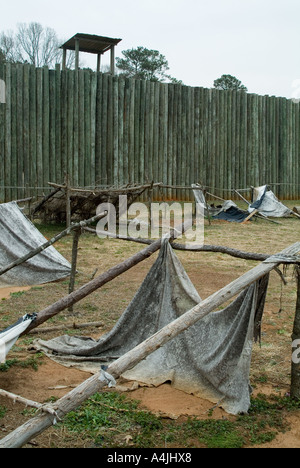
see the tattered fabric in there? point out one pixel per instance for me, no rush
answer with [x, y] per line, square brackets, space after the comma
[211, 359]
[10, 335]
[266, 202]
[18, 237]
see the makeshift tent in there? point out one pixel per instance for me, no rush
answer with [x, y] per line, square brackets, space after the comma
[210, 359]
[228, 211]
[18, 237]
[267, 204]
[9, 336]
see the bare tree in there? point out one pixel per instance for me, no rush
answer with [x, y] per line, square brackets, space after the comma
[37, 45]
[8, 47]
[33, 44]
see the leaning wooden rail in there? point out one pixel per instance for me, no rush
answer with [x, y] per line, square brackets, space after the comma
[96, 383]
[189, 248]
[76, 296]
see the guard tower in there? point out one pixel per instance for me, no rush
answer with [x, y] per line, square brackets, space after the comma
[91, 44]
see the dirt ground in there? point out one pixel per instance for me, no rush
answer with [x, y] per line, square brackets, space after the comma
[270, 370]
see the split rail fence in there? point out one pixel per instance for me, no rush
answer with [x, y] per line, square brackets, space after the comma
[110, 131]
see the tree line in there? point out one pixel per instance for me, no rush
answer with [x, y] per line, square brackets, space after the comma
[39, 46]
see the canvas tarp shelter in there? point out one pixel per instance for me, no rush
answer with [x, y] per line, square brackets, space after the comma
[267, 204]
[18, 237]
[9, 336]
[228, 211]
[210, 359]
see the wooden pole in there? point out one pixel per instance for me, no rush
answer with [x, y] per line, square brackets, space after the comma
[19, 399]
[68, 202]
[64, 60]
[98, 62]
[97, 382]
[191, 248]
[67, 326]
[295, 373]
[254, 212]
[112, 60]
[76, 54]
[76, 236]
[98, 282]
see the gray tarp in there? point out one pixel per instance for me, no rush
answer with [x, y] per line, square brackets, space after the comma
[211, 359]
[18, 237]
[229, 211]
[268, 204]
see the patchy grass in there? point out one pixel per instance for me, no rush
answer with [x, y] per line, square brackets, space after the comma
[112, 420]
[3, 411]
[32, 361]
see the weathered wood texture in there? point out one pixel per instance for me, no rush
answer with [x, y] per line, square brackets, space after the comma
[295, 370]
[109, 131]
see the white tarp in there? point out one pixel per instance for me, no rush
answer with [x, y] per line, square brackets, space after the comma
[229, 211]
[9, 336]
[18, 237]
[265, 201]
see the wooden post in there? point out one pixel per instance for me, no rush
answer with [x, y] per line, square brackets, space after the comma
[98, 62]
[150, 198]
[76, 54]
[295, 374]
[68, 203]
[96, 383]
[76, 236]
[206, 207]
[64, 61]
[112, 60]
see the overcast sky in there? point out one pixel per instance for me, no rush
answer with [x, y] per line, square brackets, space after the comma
[255, 40]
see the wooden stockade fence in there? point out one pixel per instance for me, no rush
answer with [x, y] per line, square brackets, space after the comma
[108, 131]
